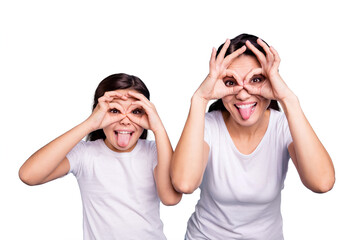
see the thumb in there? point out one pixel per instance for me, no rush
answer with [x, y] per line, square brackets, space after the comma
[234, 90]
[252, 89]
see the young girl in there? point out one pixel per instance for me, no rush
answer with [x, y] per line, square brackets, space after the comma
[121, 175]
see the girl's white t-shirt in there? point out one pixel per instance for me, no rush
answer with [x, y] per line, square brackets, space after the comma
[241, 194]
[118, 191]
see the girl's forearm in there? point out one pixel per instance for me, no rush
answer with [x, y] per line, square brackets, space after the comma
[313, 162]
[44, 161]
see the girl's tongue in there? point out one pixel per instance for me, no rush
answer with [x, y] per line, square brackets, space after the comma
[123, 138]
[246, 110]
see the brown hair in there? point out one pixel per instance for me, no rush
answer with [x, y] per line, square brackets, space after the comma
[114, 82]
[235, 44]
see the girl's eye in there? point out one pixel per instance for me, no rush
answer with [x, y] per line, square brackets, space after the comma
[114, 110]
[229, 83]
[137, 111]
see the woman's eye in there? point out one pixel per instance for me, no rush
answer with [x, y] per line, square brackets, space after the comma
[229, 83]
[256, 80]
[137, 111]
[114, 110]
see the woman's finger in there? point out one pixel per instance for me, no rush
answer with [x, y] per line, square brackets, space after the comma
[233, 74]
[250, 75]
[254, 90]
[276, 58]
[221, 55]
[269, 54]
[212, 58]
[260, 56]
[228, 60]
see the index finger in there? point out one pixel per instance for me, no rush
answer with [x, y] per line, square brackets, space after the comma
[232, 56]
[260, 56]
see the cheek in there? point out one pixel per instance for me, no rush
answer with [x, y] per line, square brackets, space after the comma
[227, 99]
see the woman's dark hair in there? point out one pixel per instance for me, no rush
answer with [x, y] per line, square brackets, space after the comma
[235, 44]
[115, 82]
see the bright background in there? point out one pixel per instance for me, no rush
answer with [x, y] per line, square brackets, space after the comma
[54, 53]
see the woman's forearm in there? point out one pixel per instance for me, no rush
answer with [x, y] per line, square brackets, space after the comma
[188, 160]
[312, 161]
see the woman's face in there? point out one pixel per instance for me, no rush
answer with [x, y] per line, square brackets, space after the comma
[245, 109]
[123, 135]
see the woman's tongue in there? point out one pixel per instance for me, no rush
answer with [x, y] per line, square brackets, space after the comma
[246, 112]
[123, 139]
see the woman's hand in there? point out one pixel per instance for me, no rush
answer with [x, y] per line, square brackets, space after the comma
[272, 86]
[213, 87]
[107, 111]
[143, 112]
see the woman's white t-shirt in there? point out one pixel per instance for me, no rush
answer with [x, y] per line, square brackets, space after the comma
[241, 194]
[118, 191]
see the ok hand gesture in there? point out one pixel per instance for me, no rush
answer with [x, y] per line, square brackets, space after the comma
[273, 86]
[213, 86]
[107, 111]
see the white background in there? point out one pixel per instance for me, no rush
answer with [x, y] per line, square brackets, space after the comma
[53, 55]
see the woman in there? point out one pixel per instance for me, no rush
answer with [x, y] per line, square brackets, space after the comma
[238, 152]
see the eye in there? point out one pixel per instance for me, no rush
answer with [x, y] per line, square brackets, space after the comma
[137, 111]
[229, 83]
[256, 80]
[114, 110]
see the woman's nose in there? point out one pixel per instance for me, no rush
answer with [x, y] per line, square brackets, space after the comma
[243, 94]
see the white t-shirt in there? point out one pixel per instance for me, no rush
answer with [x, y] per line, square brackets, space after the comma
[241, 194]
[118, 191]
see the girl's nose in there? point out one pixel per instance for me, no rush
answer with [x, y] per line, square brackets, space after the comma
[125, 121]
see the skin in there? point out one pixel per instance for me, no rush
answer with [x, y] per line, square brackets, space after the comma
[123, 109]
[238, 79]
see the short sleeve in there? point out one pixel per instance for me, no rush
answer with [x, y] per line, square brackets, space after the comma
[75, 157]
[207, 135]
[153, 152]
[286, 134]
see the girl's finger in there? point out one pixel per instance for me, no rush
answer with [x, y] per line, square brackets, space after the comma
[228, 60]
[260, 56]
[138, 96]
[221, 55]
[115, 105]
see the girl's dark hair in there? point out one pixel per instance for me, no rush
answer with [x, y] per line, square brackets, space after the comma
[235, 44]
[115, 82]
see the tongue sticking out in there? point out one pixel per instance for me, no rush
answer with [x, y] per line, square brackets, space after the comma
[123, 139]
[246, 112]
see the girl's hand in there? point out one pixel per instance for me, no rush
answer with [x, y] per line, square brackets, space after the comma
[271, 85]
[143, 112]
[213, 87]
[106, 111]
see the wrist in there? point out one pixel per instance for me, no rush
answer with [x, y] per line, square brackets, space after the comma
[198, 98]
[289, 102]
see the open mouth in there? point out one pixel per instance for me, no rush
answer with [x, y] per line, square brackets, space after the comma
[123, 137]
[246, 110]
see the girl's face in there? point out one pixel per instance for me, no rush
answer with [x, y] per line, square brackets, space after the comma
[244, 108]
[123, 135]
